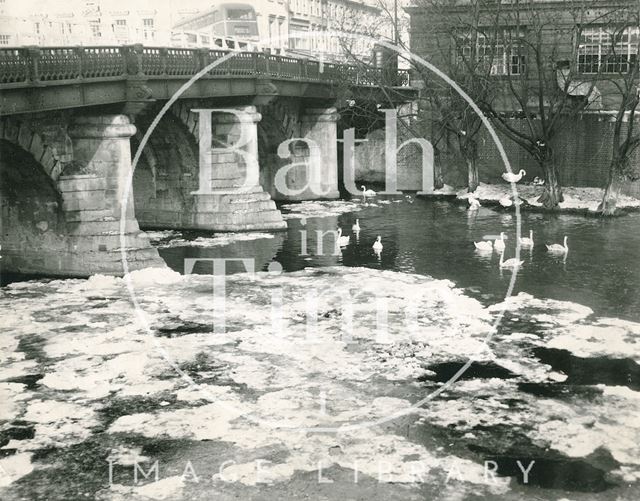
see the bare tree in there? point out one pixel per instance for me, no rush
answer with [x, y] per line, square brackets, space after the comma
[539, 84]
[455, 50]
[620, 72]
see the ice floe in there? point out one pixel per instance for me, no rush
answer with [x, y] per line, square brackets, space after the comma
[328, 361]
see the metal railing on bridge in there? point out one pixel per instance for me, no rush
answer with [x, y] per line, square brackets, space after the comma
[28, 66]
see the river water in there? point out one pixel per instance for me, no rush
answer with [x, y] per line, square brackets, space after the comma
[555, 381]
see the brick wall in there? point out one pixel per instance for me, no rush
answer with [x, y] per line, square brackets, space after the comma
[582, 149]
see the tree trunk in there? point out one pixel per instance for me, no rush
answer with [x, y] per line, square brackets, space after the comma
[613, 188]
[472, 170]
[438, 181]
[552, 194]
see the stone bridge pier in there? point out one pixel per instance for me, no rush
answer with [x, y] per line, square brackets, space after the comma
[207, 167]
[63, 183]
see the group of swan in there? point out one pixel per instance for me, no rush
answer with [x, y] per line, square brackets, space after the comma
[505, 201]
[343, 240]
[499, 245]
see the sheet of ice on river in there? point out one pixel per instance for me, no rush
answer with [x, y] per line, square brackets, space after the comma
[326, 208]
[555, 416]
[169, 238]
[95, 347]
[257, 382]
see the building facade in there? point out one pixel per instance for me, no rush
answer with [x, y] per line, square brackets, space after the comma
[533, 55]
[83, 22]
[301, 27]
[500, 39]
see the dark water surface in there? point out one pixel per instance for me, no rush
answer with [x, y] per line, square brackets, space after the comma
[435, 238]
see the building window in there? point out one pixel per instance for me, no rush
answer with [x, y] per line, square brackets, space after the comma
[121, 22]
[607, 51]
[500, 55]
[95, 28]
[147, 23]
[4, 39]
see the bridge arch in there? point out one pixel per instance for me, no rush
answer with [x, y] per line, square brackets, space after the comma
[61, 186]
[280, 121]
[32, 217]
[166, 174]
[25, 135]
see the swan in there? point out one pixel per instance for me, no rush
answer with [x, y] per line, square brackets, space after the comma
[527, 241]
[509, 263]
[506, 202]
[367, 193]
[474, 203]
[509, 177]
[499, 244]
[559, 248]
[340, 240]
[484, 245]
[377, 245]
[356, 225]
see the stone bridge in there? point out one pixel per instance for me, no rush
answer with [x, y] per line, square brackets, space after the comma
[67, 139]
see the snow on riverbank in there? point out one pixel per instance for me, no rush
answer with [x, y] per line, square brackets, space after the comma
[575, 199]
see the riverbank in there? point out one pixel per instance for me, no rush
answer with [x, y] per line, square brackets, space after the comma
[577, 200]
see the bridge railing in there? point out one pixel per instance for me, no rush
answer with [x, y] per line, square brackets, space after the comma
[41, 65]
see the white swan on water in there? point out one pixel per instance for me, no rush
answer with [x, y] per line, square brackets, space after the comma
[499, 243]
[356, 225]
[484, 245]
[527, 241]
[367, 193]
[340, 240]
[509, 263]
[509, 177]
[377, 245]
[474, 203]
[557, 248]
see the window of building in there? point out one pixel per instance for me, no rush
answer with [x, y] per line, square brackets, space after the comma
[607, 51]
[500, 55]
[4, 39]
[121, 22]
[95, 28]
[240, 14]
[147, 23]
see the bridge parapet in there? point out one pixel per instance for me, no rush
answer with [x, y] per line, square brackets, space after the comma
[31, 66]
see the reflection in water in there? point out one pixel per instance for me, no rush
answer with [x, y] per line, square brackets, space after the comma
[262, 251]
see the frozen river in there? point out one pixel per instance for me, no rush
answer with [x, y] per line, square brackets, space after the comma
[278, 406]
